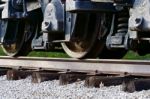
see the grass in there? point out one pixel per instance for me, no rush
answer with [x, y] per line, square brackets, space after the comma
[1, 52]
[42, 54]
[49, 54]
[130, 55]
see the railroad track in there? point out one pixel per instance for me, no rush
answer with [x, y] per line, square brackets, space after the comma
[130, 67]
[133, 73]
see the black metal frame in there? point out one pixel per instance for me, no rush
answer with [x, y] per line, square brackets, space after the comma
[87, 5]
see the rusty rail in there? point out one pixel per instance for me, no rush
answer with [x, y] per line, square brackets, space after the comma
[130, 67]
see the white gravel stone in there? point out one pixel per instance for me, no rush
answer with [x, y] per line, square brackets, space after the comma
[24, 89]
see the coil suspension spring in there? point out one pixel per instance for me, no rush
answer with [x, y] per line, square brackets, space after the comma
[122, 23]
[117, 37]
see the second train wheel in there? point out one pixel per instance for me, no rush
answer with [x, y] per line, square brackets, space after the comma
[89, 39]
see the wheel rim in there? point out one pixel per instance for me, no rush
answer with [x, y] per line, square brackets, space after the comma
[13, 41]
[89, 46]
[77, 49]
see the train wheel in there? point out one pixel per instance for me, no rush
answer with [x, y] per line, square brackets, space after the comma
[18, 34]
[14, 39]
[88, 44]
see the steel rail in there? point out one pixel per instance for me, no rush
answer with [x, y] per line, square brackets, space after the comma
[132, 67]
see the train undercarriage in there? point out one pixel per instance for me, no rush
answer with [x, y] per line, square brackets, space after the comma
[83, 28]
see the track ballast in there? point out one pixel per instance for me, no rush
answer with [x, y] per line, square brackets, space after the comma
[132, 74]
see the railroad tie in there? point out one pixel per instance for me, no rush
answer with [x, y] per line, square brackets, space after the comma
[136, 84]
[96, 81]
[17, 74]
[38, 77]
[68, 78]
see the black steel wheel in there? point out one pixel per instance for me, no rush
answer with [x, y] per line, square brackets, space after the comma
[18, 37]
[14, 36]
[89, 42]
[18, 33]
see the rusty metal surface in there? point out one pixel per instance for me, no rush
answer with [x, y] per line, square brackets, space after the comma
[133, 67]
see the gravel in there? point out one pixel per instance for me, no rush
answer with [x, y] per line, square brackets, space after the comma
[24, 89]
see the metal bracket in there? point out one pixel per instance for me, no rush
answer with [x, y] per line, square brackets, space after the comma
[12, 12]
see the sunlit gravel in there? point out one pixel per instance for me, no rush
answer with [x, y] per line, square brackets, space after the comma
[24, 89]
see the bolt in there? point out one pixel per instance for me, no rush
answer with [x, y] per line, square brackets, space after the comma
[138, 20]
